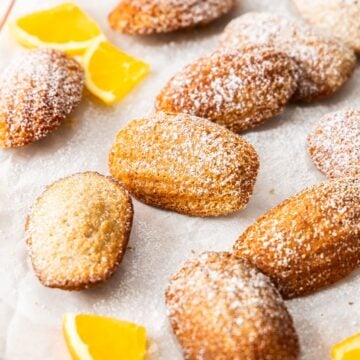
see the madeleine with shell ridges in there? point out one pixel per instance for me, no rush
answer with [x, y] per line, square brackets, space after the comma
[184, 163]
[38, 91]
[308, 241]
[223, 308]
[78, 230]
[338, 17]
[334, 144]
[324, 63]
[144, 17]
[237, 88]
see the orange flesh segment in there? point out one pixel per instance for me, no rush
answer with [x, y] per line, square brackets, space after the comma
[60, 24]
[348, 349]
[114, 71]
[104, 338]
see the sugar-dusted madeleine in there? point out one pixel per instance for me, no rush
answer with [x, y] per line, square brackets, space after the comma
[145, 17]
[334, 144]
[338, 17]
[223, 308]
[324, 63]
[78, 230]
[308, 241]
[239, 89]
[184, 163]
[37, 92]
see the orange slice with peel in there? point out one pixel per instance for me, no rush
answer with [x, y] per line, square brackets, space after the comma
[348, 349]
[64, 27]
[93, 337]
[111, 73]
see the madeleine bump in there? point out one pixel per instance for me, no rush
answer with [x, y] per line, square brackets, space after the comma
[310, 240]
[144, 17]
[221, 307]
[237, 88]
[78, 230]
[185, 164]
[334, 144]
[38, 91]
[324, 63]
[338, 17]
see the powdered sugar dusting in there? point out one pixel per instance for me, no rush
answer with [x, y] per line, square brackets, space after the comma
[308, 241]
[338, 17]
[236, 88]
[221, 307]
[158, 16]
[334, 144]
[324, 63]
[185, 163]
[160, 240]
[38, 91]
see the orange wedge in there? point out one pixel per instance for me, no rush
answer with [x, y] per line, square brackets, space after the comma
[93, 337]
[348, 349]
[111, 73]
[64, 27]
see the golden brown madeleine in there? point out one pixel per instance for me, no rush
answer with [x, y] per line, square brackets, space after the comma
[334, 144]
[38, 91]
[338, 17]
[78, 230]
[308, 241]
[325, 63]
[146, 17]
[222, 308]
[185, 164]
[239, 89]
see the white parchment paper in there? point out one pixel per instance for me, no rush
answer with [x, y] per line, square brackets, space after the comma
[31, 315]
